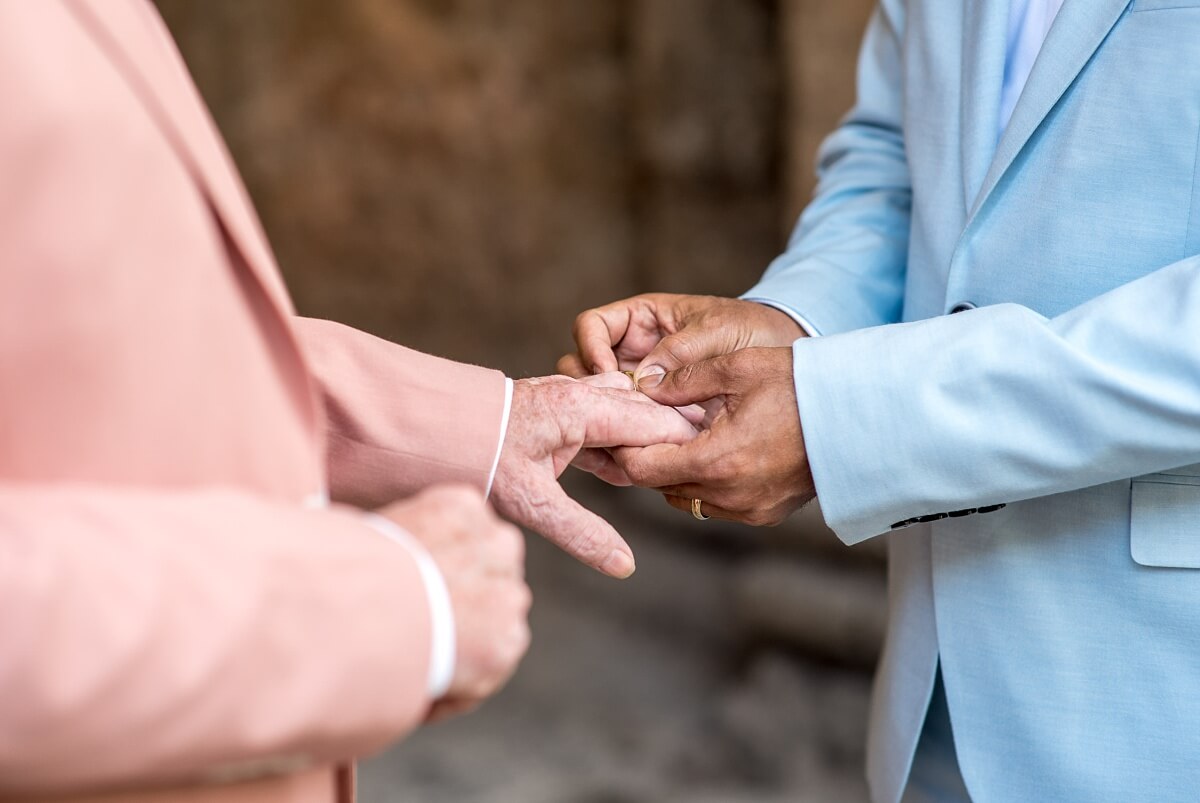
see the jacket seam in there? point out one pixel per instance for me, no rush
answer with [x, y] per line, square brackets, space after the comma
[1187, 234]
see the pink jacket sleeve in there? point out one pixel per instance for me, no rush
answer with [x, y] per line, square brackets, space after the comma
[400, 420]
[171, 636]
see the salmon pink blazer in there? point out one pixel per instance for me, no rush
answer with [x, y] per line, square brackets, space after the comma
[181, 617]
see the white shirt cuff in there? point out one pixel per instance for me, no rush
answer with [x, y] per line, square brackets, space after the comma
[800, 320]
[444, 638]
[508, 394]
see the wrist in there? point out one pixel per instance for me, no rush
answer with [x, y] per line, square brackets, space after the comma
[502, 441]
[783, 328]
[784, 323]
[443, 634]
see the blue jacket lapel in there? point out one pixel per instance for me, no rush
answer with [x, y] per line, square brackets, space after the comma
[985, 27]
[1079, 30]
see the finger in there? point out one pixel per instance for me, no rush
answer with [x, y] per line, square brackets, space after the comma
[614, 418]
[695, 414]
[706, 508]
[505, 554]
[710, 409]
[620, 382]
[690, 490]
[691, 384]
[627, 363]
[579, 532]
[450, 707]
[597, 332]
[665, 464]
[690, 344]
[601, 463]
[571, 365]
[617, 380]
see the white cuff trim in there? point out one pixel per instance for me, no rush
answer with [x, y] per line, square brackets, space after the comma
[443, 643]
[508, 394]
[800, 320]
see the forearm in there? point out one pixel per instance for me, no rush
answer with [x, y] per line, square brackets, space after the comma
[1001, 404]
[400, 420]
[154, 637]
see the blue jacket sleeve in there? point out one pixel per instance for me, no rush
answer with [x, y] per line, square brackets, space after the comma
[1001, 404]
[844, 266]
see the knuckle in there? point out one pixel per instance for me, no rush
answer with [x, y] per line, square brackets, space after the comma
[634, 469]
[511, 544]
[582, 321]
[524, 599]
[678, 502]
[680, 347]
[758, 518]
[575, 394]
[524, 638]
[509, 651]
[485, 684]
[567, 364]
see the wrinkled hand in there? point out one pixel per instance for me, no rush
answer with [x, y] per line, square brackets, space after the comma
[660, 332]
[482, 560]
[600, 461]
[750, 465]
[551, 420]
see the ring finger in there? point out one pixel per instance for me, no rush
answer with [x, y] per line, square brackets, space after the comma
[706, 509]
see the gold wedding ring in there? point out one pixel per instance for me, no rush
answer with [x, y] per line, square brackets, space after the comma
[696, 510]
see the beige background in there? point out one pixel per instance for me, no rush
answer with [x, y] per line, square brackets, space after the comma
[464, 176]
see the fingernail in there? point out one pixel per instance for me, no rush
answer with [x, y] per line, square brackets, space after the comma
[650, 376]
[618, 564]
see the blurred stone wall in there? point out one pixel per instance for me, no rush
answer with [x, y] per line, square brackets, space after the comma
[464, 176]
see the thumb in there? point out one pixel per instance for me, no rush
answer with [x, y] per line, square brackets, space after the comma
[693, 383]
[688, 345]
[578, 531]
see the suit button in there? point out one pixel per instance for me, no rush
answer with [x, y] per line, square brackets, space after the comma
[962, 306]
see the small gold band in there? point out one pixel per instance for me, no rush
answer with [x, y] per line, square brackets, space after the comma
[696, 510]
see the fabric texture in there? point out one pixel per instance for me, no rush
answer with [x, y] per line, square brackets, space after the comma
[176, 614]
[1069, 391]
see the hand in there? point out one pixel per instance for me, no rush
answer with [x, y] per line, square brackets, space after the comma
[599, 461]
[750, 466]
[551, 419]
[482, 560]
[660, 332]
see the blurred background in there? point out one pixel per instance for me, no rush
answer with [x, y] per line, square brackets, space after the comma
[463, 177]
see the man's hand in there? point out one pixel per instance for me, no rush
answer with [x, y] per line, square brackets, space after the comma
[482, 560]
[552, 419]
[660, 332]
[750, 466]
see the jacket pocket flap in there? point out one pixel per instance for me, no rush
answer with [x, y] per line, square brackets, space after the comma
[1182, 471]
[1164, 522]
[1162, 5]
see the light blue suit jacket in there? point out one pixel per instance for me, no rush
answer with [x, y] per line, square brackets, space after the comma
[1068, 621]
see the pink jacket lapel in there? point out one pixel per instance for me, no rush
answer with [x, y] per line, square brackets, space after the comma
[134, 36]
